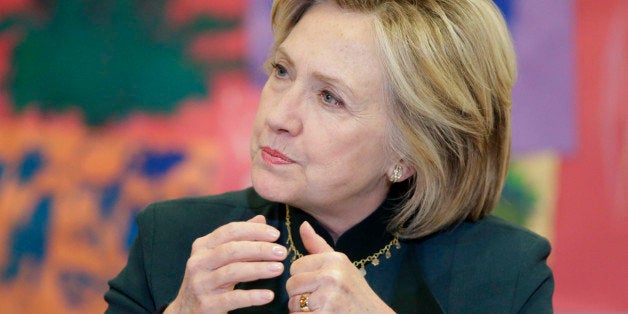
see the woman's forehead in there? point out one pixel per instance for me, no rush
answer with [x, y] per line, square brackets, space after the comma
[333, 43]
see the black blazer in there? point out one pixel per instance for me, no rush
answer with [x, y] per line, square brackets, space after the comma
[489, 266]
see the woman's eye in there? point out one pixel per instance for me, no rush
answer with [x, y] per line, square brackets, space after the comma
[280, 70]
[330, 99]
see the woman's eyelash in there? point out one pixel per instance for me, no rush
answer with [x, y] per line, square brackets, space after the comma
[279, 69]
[329, 98]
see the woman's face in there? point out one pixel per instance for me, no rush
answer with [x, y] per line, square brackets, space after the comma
[319, 139]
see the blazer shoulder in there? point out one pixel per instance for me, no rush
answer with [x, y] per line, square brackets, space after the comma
[498, 231]
[499, 241]
[202, 213]
[243, 198]
[498, 265]
[490, 239]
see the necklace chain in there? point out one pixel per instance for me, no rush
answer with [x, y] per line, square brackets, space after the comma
[373, 259]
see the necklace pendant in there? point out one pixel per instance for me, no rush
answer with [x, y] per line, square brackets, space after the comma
[373, 259]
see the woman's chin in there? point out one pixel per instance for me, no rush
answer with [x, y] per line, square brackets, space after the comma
[271, 188]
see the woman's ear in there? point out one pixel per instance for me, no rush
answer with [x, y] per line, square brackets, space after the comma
[408, 171]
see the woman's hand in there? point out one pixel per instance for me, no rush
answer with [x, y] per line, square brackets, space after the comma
[236, 252]
[334, 284]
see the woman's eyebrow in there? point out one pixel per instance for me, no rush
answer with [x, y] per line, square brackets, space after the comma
[334, 81]
[329, 79]
[284, 54]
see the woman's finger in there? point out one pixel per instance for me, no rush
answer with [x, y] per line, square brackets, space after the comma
[237, 231]
[303, 283]
[306, 302]
[258, 219]
[315, 262]
[232, 252]
[229, 300]
[313, 243]
[228, 276]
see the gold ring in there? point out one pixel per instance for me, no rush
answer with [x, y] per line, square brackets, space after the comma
[303, 302]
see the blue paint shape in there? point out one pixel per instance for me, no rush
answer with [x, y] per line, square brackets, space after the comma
[109, 199]
[28, 240]
[132, 231]
[157, 164]
[506, 7]
[31, 164]
[74, 284]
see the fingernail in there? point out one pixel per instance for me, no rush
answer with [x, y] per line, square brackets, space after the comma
[273, 232]
[266, 295]
[307, 225]
[279, 250]
[275, 267]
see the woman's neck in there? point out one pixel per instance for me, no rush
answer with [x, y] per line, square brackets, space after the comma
[337, 222]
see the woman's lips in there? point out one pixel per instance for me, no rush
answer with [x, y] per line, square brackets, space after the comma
[275, 157]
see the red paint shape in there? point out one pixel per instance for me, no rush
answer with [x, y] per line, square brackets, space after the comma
[212, 46]
[180, 12]
[8, 7]
[591, 232]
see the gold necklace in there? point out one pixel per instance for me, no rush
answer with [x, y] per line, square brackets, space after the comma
[373, 259]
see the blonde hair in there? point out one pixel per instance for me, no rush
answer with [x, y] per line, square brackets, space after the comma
[450, 68]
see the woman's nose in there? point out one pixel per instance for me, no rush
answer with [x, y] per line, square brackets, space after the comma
[285, 113]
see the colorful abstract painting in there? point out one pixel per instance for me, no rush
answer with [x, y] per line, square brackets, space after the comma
[107, 106]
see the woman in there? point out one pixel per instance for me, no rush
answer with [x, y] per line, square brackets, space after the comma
[380, 145]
